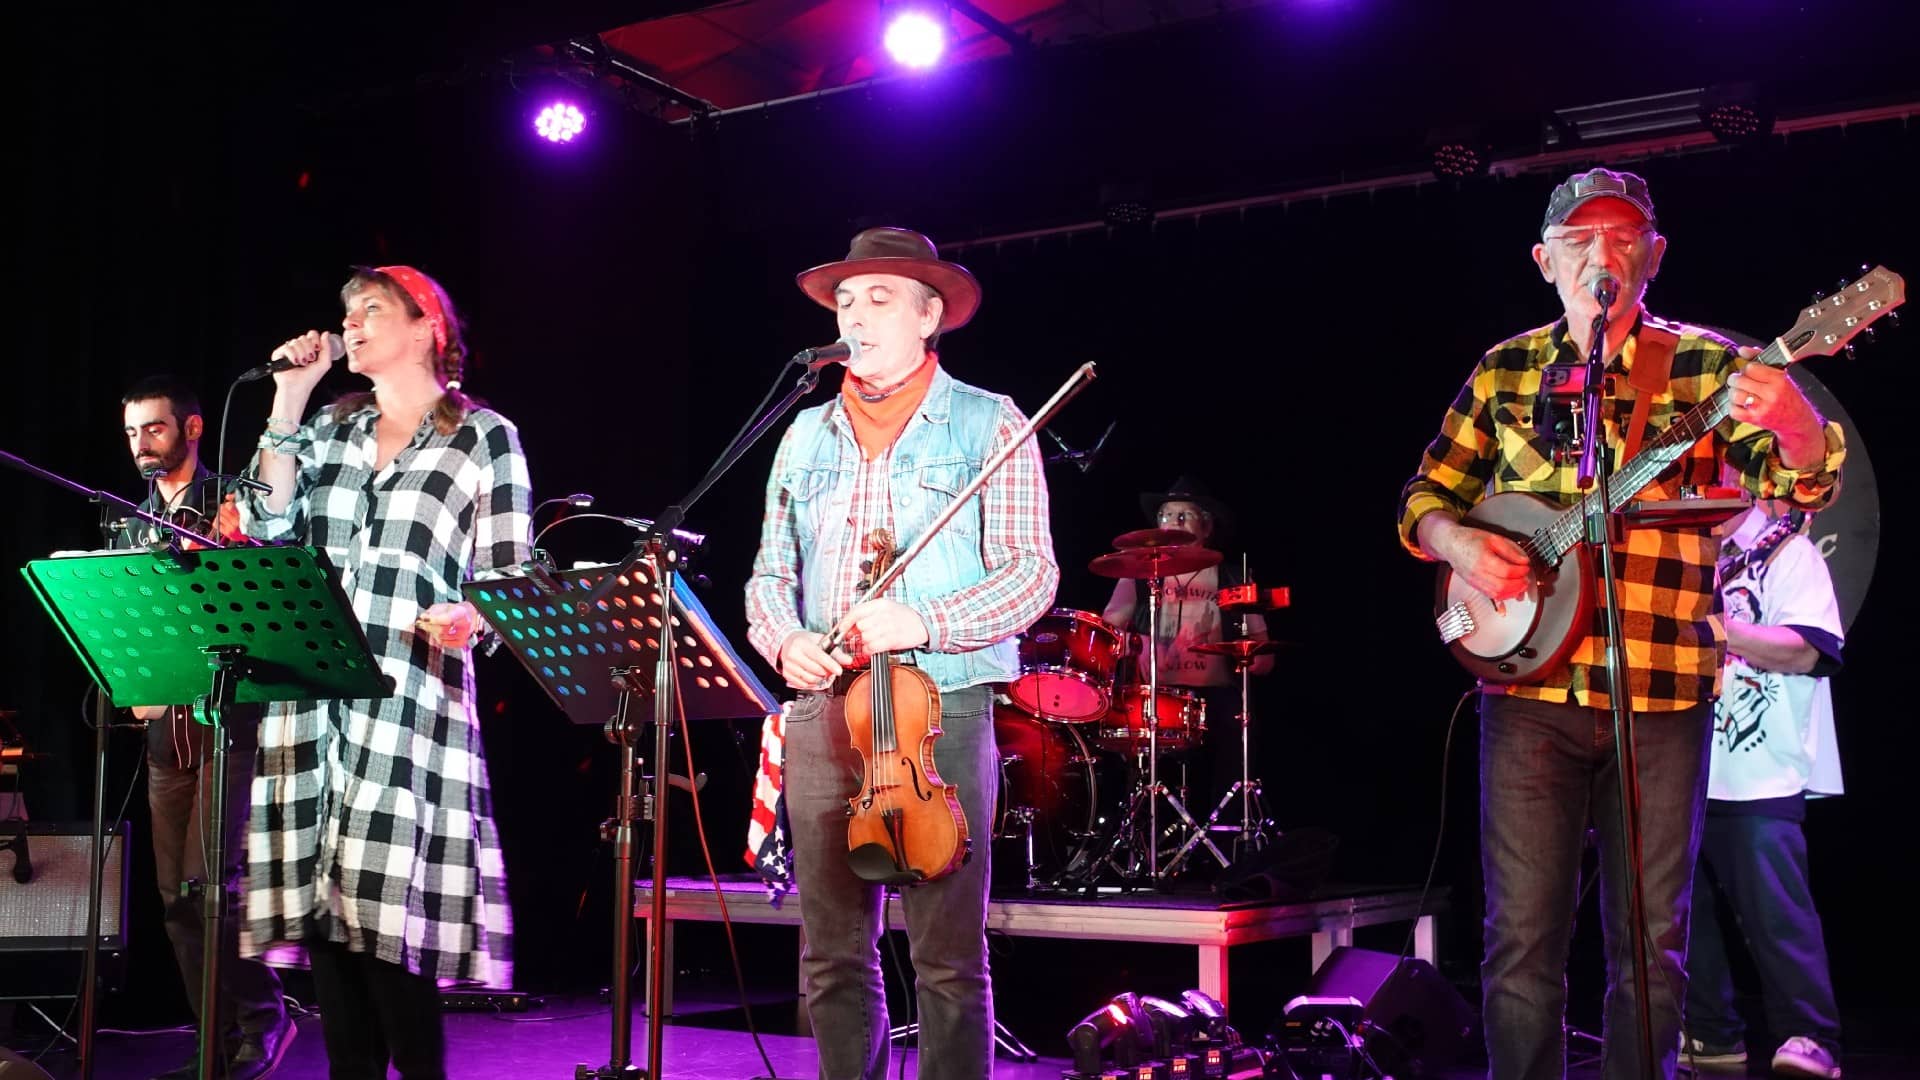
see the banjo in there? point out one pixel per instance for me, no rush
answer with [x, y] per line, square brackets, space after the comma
[1526, 638]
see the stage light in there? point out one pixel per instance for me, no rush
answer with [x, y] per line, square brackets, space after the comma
[1126, 203]
[1172, 1025]
[1736, 122]
[1459, 160]
[916, 39]
[1737, 113]
[1142, 1037]
[560, 122]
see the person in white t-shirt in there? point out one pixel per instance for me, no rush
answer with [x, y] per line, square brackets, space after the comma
[1773, 749]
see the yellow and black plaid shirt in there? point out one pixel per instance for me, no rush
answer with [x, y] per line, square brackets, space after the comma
[1669, 608]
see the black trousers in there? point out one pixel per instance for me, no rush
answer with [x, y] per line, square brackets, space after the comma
[373, 1013]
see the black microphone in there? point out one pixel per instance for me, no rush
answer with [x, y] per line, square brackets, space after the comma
[845, 351]
[335, 345]
[248, 483]
[1606, 289]
[685, 536]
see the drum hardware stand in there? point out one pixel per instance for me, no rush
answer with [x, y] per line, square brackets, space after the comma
[1019, 816]
[1155, 791]
[1256, 829]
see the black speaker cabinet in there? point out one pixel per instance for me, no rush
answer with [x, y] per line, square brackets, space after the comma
[43, 909]
[43, 887]
[1411, 1021]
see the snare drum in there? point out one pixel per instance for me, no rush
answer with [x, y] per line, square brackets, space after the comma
[1182, 716]
[1067, 661]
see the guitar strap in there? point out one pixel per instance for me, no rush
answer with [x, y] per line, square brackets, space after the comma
[1652, 367]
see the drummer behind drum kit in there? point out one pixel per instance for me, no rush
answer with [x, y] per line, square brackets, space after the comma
[1080, 754]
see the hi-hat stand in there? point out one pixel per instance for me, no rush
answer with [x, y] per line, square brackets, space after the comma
[1256, 829]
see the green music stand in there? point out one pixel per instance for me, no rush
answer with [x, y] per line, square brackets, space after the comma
[217, 628]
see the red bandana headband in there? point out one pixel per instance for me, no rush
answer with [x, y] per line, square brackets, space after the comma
[426, 296]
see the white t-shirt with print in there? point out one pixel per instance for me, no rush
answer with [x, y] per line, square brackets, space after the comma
[1773, 733]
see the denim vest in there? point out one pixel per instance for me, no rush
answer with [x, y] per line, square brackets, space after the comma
[937, 454]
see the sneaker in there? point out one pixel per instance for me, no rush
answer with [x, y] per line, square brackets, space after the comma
[1801, 1056]
[1698, 1055]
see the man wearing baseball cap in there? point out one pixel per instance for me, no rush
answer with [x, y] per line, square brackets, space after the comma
[894, 448]
[1548, 766]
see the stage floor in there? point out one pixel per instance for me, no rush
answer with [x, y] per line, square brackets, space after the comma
[551, 1040]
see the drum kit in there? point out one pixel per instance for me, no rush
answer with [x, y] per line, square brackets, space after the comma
[1081, 751]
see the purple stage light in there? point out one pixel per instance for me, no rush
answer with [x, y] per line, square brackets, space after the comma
[916, 39]
[560, 122]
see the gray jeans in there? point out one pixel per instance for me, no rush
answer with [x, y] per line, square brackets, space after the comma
[946, 919]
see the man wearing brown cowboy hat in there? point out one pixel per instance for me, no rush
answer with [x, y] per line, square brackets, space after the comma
[890, 452]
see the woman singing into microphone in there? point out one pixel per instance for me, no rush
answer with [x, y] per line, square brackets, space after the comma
[373, 843]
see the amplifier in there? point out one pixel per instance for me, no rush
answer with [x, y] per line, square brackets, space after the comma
[44, 884]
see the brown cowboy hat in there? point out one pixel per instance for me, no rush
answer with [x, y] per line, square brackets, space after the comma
[888, 250]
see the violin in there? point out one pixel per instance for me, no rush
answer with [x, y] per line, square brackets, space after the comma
[905, 827]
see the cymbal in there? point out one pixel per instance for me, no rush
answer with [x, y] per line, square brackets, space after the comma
[1152, 538]
[1154, 562]
[1243, 649]
[1239, 598]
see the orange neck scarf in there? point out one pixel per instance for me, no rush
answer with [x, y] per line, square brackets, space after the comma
[877, 423]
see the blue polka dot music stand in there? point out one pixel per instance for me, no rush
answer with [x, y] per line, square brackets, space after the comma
[571, 656]
[596, 646]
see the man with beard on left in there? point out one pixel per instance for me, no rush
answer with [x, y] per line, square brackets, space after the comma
[163, 426]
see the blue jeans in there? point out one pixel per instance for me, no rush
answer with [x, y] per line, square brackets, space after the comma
[1547, 773]
[946, 919]
[1755, 869]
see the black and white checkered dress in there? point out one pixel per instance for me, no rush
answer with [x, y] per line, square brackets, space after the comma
[372, 820]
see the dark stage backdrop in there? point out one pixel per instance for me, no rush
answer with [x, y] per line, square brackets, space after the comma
[631, 300]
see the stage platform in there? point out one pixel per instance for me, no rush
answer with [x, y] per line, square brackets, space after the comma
[1201, 921]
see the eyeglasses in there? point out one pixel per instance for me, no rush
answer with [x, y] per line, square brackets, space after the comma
[1182, 517]
[1625, 239]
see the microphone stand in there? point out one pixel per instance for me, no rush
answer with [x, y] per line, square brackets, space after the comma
[1603, 526]
[658, 545]
[669, 522]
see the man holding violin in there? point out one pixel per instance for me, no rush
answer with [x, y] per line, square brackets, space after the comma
[163, 426]
[890, 453]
